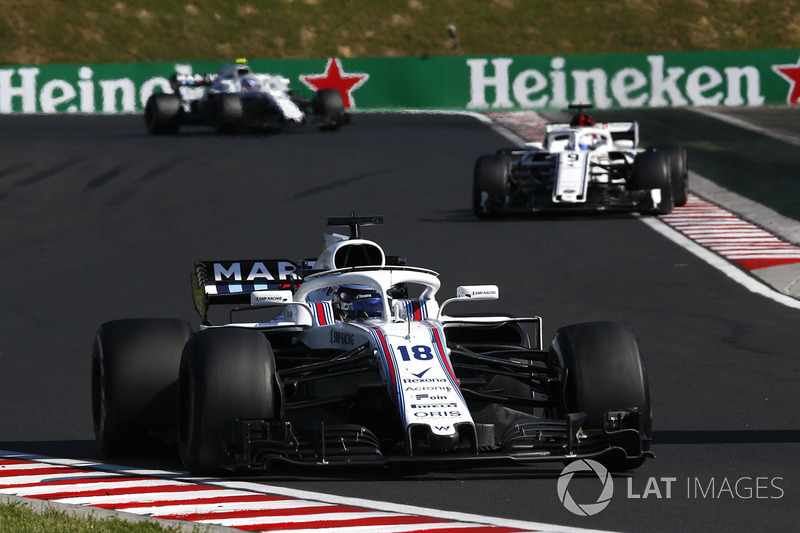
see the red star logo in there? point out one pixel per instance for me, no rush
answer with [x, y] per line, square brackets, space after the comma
[790, 73]
[334, 77]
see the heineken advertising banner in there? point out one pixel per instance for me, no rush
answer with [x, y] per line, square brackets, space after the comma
[745, 78]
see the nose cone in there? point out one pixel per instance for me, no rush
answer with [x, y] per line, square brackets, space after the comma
[444, 443]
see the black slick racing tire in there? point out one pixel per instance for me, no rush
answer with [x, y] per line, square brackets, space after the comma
[678, 172]
[162, 114]
[328, 105]
[228, 113]
[651, 170]
[490, 185]
[134, 382]
[605, 371]
[225, 373]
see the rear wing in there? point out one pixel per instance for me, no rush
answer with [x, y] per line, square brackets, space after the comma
[620, 131]
[191, 80]
[232, 282]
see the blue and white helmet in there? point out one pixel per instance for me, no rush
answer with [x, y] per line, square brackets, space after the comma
[250, 84]
[357, 302]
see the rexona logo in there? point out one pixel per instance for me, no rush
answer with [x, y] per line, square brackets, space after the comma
[657, 85]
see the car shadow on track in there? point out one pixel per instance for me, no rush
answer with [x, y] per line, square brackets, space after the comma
[166, 459]
[157, 456]
[351, 474]
[466, 215]
[735, 436]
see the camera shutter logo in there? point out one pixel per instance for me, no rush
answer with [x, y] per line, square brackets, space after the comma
[585, 509]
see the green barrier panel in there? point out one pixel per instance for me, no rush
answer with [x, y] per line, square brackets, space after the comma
[742, 78]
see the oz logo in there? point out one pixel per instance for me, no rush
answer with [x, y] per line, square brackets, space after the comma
[585, 509]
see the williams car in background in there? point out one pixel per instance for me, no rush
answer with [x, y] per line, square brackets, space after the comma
[237, 99]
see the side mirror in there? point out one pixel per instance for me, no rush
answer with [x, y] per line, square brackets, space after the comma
[625, 144]
[477, 292]
[472, 292]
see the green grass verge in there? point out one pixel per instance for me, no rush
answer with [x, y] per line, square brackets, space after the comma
[103, 31]
[17, 517]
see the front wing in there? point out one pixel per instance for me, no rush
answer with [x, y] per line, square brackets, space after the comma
[526, 202]
[255, 445]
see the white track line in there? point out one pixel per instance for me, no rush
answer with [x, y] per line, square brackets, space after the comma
[209, 508]
[735, 273]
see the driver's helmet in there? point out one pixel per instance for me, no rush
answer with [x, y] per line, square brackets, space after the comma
[356, 301]
[582, 119]
[249, 84]
[587, 142]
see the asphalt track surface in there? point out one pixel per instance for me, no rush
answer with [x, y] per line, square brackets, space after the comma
[99, 221]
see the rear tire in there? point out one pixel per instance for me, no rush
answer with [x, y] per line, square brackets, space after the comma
[162, 113]
[605, 371]
[490, 186]
[225, 373]
[651, 170]
[328, 105]
[228, 113]
[134, 381]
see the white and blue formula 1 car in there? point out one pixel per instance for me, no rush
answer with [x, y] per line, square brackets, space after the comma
[582, 166]
[238, 99]
[357, 363]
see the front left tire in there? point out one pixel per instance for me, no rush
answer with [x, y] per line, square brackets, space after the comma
[328, 105]
[651, 170]
[228, 113]
[679, 172]
[225, 374]
[162, 114]
[605, 370]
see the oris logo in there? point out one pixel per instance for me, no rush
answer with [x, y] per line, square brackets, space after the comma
[436, 414]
